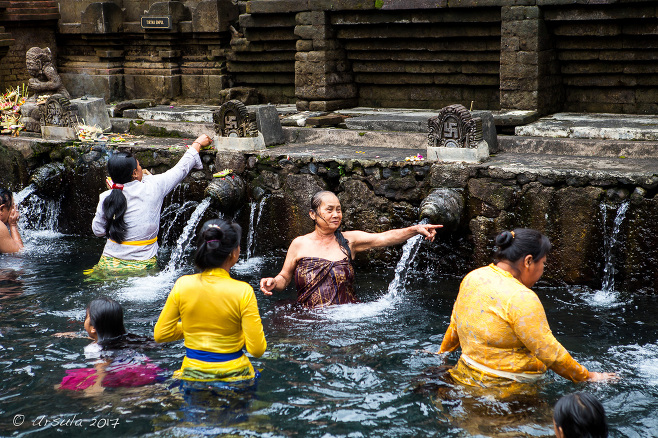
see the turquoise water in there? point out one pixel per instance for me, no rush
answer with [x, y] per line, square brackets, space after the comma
[348, 371]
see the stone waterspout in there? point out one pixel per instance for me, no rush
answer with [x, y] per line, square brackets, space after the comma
[443, 206]
[227, 193]
[48, 180]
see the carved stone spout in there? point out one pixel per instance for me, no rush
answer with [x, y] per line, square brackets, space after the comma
[48, 180]
[228, 193]
[443, 206]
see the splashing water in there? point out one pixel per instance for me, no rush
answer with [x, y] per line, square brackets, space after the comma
[37, 214]
[23, 194]
[186, 236]
[395, 288]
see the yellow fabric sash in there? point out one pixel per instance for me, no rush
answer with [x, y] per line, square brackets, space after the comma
[137, 242]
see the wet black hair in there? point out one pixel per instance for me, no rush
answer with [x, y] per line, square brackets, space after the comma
[106, 316]
[316, 201]
[6, 197]
[580, 415]
[515, 245]
[120, 166]
[216, 240]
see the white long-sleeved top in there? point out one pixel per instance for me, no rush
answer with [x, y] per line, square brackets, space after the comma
[144, 202]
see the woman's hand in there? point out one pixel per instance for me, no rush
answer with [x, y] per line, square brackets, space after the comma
[201, 142]
[429, 231]
[13, 216]
[602, 377]
[267, 285]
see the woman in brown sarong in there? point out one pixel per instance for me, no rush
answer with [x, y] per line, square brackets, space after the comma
[321, 261]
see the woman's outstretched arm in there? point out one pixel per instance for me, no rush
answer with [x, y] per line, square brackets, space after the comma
[362, 241]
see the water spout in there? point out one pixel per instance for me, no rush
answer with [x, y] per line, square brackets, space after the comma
[228, 193]
[48, 180]
[23, 194]
[610, 243]
[443, 206]
[409, 251]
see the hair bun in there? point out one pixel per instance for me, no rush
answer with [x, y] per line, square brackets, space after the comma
[504, 239]
[213, 233]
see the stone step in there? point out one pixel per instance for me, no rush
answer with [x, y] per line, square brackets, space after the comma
[578, 147]
[593, 126]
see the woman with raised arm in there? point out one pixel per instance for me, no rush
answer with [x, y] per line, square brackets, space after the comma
[10, 237]
[321, 261]
[129, 213]
[500, 324]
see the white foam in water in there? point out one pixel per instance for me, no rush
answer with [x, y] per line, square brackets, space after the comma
[641, 358]
[149, 288]
[248, 266]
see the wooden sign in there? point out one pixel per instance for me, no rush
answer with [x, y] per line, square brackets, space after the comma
[163, 22]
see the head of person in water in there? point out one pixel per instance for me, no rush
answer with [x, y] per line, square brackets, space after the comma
[524, 251]
[579, 415]
[123, 168]
[218, 245]
[6, 204]
[104, 320]
[326, 212]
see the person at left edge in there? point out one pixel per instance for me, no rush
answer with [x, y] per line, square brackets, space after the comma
[129, 213]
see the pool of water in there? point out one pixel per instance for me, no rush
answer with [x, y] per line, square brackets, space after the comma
[348, 371]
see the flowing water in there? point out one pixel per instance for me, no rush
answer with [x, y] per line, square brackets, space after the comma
[349, 371]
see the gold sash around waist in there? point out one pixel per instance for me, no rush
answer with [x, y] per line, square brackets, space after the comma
[137, 242]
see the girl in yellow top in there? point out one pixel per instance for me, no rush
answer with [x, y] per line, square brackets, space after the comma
[500, 323]
[216, 315]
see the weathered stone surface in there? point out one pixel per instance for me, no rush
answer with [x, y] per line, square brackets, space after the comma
[362, 208]
[576, 234]
[235, 161]
[101, 18]
[484, 194]
[640, 239]
[93, 112]
[332, 105]
[267, 120]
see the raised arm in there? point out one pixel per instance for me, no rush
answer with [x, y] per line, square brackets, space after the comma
[190, 160]
[362, 241]
[283, 278]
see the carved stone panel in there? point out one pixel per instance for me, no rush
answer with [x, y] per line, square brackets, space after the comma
[454, 127]
[234, 120]
[58, 111]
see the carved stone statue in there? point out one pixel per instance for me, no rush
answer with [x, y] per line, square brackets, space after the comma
[44, 82]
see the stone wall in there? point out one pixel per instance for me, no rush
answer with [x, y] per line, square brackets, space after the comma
[24, 25]
[377, 196]
[542, 55]
[105, 51]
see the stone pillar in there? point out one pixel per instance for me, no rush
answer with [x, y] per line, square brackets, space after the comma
[529, 71]
[323, 74]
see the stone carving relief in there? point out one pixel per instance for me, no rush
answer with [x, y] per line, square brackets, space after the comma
[454, 127]
[44, 83]
[234, 120]
[58, 111]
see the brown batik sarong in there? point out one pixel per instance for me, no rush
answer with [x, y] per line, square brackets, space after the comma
[321, 282]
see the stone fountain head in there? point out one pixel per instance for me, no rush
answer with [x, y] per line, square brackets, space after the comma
[48, 180]
[443, 206]
[227, 193]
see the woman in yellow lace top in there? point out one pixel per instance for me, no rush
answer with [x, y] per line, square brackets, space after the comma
[500, 323]
[217, 316]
